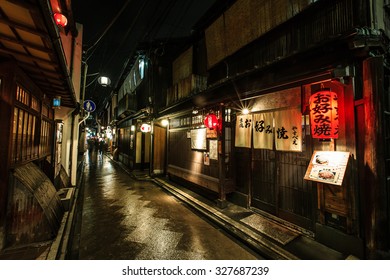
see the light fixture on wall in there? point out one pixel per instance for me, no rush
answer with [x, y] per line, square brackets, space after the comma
[60, 19]
[57, 102]
[164, 122]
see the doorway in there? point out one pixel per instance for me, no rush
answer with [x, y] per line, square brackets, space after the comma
[278, 186]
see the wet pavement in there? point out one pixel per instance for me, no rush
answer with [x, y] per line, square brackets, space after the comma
[121, 214]
[127, 219]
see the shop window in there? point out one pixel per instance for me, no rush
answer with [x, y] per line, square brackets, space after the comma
[228, 115]
[197, 120]
[44, 145]
[35, 105]
[45, 111]
[24, 131]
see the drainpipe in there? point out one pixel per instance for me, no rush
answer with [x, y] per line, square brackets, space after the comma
[71, 159]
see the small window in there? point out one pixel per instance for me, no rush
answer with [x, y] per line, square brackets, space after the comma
[22, 95]
[45, 110]
[35, 104]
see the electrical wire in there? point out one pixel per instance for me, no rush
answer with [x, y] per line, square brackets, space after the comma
[124, 38]
[107, 28]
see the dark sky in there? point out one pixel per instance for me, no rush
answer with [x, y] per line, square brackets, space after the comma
[140, 21]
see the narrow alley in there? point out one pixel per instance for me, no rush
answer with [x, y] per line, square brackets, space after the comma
[125, 218]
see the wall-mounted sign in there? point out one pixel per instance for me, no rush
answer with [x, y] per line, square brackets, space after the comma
[282, 127]
[206, 158]
[213, 144]
[211, 133]
[198, 139]
[146, 127]
[57, 102]
[288, 130]
[60, 126]
[263, 127]
[243, 131]
[327, 167]
[324, 118]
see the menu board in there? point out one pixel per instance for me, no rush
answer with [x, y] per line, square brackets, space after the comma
[213, 149]
[198, 139]
[327, 167]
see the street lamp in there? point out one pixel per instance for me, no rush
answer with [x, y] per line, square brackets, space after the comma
[104, 81]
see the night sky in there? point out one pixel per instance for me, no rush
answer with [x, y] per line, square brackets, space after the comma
[139, 22]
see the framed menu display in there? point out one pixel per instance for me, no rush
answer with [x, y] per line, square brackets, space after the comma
[213, 144]
[327, 167]
[198, 139]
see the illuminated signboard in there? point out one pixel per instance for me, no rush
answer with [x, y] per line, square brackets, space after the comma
[324, 118]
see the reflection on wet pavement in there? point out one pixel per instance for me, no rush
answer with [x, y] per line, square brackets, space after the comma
[123, 218]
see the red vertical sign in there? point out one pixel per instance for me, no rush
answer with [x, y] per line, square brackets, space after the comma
[324, 119]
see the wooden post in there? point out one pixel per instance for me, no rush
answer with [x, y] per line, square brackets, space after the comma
[221, 159]
[7, 93]
[374, 185]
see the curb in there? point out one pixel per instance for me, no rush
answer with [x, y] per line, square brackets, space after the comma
[59, 248]
[256, 241]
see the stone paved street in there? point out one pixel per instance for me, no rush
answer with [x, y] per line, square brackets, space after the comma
[124, 218]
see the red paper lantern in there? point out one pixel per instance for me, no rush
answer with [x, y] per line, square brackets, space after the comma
[146, 127]
[211, 121]
[324, 117]
[60, 19]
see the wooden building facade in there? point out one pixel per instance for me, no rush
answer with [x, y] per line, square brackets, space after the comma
[288, 52]
[39, 62]
[273, 58]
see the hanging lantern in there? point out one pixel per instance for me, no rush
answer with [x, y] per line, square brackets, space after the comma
[211, 121]
[104, 81]
[324, 118]
[60, 19]
[146, 127]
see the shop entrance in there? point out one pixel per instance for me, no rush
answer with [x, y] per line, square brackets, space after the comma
[278, 186]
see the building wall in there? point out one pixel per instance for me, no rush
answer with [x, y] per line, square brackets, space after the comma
[318, 45]
[66, 145]
[27, 127]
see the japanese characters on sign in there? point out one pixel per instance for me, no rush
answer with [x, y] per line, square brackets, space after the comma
[324, 119]
[288, 130]
[198, 139]
[263, 135]
[243, 131]
[284, 128]
[327, 167]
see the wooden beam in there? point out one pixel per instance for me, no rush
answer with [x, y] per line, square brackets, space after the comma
[27, 56]
[24, 28]
[26, 44]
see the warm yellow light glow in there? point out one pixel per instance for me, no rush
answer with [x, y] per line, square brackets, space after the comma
[245, 111]
[164, 122]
